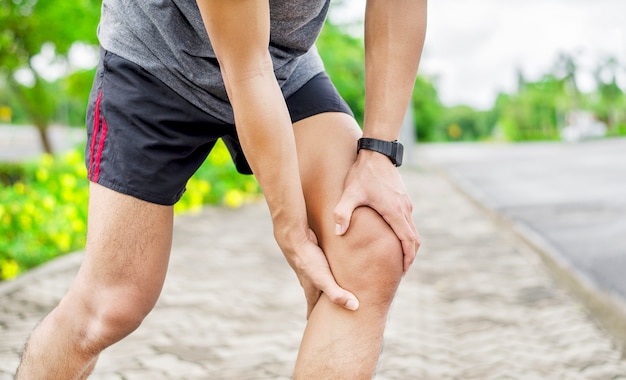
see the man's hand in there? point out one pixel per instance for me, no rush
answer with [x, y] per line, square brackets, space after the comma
[373, 181]
[313, 272]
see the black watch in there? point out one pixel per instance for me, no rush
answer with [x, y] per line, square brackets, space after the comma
[392, 149]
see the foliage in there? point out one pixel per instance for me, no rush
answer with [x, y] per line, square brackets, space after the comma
[76, 88]
[539, 110]
[43, 204]
[532, 113]
[427, 109]
[26, 25]
[343, 56]
[609, 101]
[26, 28]
[462, 123]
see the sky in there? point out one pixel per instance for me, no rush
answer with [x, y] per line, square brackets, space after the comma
[474, 48]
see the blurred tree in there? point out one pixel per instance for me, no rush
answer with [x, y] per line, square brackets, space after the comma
[610, 100]
[462, 123]
[27, 27]
[77, 87]
[537, 110]
[533, 113]
[427, 109]
[343, 57]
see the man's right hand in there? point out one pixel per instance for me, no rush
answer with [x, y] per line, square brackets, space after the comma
[313, 271]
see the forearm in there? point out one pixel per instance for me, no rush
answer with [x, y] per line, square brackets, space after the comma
[394, 39]
[239, 32]
[264, 128]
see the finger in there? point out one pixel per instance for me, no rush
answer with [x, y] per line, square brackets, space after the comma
[343, 212]
[405, 230]
[408, 249]
[338, 295]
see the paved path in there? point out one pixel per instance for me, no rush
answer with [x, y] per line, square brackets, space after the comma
[477, 304]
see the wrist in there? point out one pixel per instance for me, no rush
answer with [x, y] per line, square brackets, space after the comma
[290, 234]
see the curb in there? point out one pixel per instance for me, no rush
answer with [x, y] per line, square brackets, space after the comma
[605, 308]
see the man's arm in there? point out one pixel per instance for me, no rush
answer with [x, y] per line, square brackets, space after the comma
[394, 39]
[239, 31]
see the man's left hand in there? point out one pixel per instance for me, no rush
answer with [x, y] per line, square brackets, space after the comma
[375, 182]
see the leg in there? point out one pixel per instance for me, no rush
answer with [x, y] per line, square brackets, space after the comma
[339, 344]
[120, 279]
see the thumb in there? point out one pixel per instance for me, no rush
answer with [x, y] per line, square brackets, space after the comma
[343, 298]
[337, 295]
[343, 212]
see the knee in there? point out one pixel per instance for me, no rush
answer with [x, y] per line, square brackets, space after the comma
[372, 267]
[121, 313]
[107, 317]
[115, 320]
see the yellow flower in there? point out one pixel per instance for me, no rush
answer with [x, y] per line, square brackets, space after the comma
[19, 188]
[47, 160]
[25, 221]
[48, 203]
[78, 225]
[9, 269]
[68, 181]
[251, 186]
[233, 198]
[42, 174]
[63, 241]
[204, 187]
[74, 157]
[219, 155]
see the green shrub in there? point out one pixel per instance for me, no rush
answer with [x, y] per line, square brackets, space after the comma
[43, 204]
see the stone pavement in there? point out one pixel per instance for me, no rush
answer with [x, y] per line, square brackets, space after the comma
[477, 304]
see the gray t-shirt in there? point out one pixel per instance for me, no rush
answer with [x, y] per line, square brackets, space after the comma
[168, 39]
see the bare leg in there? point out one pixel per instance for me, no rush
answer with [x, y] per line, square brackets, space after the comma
[340, 344]
[120, 279]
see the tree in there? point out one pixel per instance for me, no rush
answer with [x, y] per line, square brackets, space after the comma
[343, 57]
[537, 110]
[427, 109]
[26, 28]
[610, 97]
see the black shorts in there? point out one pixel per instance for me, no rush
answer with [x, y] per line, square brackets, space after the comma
[145, 140]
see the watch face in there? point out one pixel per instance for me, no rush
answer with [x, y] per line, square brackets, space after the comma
[399, 154]
[392, 149]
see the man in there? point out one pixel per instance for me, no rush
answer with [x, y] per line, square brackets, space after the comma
[175, 76]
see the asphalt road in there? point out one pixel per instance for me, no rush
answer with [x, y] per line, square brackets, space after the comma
[571, 195]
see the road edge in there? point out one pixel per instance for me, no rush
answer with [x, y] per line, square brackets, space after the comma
[606, 309]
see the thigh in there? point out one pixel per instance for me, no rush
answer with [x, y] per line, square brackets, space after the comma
[326, 146]
[127, 252]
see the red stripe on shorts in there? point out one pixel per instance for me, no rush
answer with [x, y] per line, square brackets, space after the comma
[103, 136]
[94, 157]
